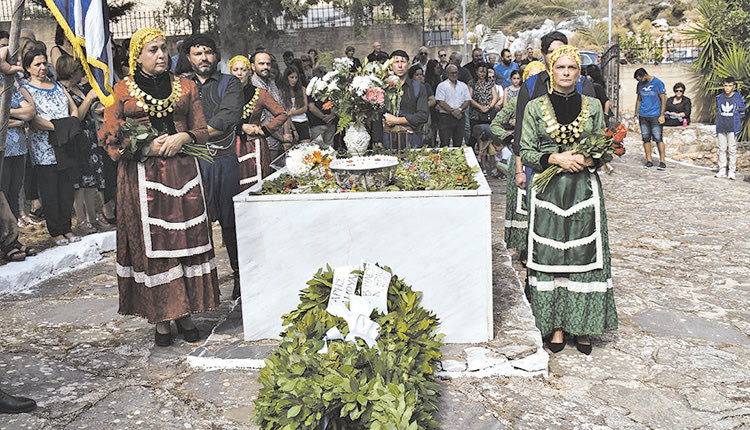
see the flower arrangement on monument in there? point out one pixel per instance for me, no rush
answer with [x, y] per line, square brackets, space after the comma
[422, 169]
[309, 160]
[357, 97]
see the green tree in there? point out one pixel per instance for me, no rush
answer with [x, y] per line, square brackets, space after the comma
[723, 34]
[193, 11]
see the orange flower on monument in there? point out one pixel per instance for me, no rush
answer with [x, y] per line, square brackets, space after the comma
[328, 105]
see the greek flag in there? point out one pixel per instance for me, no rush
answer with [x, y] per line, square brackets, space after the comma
[86, 25]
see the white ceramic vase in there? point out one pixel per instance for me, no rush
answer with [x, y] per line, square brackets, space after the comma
[357, 139]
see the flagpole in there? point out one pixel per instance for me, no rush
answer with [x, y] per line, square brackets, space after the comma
[9, 81]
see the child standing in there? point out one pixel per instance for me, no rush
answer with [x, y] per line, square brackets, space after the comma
[728, 123]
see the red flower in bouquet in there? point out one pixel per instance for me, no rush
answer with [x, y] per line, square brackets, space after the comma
[617, 136]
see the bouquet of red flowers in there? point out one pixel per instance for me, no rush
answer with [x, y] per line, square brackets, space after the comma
[617, 136]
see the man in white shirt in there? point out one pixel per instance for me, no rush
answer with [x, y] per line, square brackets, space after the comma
[453, 99]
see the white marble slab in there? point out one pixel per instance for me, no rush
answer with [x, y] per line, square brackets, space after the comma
[438, 241]
[22, 276]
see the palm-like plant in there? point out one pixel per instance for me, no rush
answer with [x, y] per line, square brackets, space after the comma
[502, 16]
[560, 9]
[735, 62]
[720, 56]
[596, 35]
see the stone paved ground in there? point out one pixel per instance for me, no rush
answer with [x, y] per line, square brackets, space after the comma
[681, 358]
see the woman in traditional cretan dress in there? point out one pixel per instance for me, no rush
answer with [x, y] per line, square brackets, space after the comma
[569, 263]
[166, 269]
[251, 132]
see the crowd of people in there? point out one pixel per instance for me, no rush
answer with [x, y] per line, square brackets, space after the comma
[249, 115]
[68, 157]
[54, 170]
[45, 179]
[71, 155]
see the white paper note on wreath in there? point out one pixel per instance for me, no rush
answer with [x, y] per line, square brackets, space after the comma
[375, 282]
[344, 284]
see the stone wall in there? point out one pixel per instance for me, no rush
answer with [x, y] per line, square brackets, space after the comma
[397, 36]
[44, 28]
[325, 39]
[670, 74]
[696, 144]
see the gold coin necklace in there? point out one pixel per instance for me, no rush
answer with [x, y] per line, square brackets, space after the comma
[568, 133]
[151, 105]
[248, 109]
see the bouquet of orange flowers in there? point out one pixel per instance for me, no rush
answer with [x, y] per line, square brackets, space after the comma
[617, 136]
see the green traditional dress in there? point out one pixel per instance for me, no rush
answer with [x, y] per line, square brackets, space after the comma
[569, 264]
[516, 214]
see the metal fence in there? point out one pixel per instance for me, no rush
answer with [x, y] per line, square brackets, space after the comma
[330, 16]
[436, 32]
[684, 51]
[443, 32]
[31, 10]
[129, 23]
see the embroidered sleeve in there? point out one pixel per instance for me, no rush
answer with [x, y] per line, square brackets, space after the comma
[196, 122]
[530, 154]
[109, 133]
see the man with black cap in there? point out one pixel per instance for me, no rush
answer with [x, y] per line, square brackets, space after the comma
[222, 99]
[413, 110]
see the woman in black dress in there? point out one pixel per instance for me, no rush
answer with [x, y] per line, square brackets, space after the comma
[677, 111]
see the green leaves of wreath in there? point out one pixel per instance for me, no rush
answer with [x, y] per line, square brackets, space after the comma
[352, 386]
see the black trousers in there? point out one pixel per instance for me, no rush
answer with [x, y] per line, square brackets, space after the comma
[30, 183]
[56, 192]
[222, 182]
[451, 130]
[12, 181]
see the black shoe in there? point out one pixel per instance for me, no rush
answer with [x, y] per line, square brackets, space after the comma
[236, 292]
[556, 347]
[192, 335]
[661, 166]
[15, 405]
[583, 347]
[163, 339]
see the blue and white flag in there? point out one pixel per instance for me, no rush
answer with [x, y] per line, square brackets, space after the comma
[86, 25]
